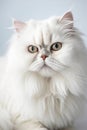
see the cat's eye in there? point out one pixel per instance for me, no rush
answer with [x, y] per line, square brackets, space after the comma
[32, 49]
[56, 46]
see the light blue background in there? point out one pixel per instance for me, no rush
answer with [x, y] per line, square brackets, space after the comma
[40, 9]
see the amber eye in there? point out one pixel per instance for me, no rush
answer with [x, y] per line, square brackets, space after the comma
[32, 49]
[56, 46]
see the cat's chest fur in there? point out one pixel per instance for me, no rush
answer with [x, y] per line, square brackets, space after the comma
[41, 97]
[47, 110]
[33, 97]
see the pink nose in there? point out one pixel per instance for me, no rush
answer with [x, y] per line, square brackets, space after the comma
[44, 57]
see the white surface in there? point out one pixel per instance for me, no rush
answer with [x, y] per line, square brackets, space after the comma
[38, 9]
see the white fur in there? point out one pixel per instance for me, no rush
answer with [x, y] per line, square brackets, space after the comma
[36, 97]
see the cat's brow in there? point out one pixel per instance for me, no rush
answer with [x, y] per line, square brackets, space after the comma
[43, 43]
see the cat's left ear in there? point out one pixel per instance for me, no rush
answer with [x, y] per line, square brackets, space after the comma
[18, 25]
[68, 16]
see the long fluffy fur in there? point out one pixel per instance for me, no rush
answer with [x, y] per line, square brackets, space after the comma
[36, 98]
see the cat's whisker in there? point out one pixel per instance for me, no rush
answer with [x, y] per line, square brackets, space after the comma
[55, 65]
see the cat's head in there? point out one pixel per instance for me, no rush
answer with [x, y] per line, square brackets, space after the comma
[46, 47]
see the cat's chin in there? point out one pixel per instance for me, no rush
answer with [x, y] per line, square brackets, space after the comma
[46, 71]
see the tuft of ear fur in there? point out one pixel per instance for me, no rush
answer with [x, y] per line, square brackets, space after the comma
[18, 25]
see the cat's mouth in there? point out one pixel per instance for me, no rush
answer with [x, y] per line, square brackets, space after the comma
[46, 70]
[45, 66]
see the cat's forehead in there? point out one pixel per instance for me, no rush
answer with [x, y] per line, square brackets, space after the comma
[42, 31]
[43, 24]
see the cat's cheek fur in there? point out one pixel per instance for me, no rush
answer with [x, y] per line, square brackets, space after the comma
[20, 59]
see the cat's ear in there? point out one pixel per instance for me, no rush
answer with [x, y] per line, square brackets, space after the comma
[67, 16]
[18, 25]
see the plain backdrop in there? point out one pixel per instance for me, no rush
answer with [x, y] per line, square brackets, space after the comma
[41, 9]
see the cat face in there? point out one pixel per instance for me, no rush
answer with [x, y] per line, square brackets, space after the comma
[46, 47]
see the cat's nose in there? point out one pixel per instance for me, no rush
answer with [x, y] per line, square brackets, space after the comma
[44, 57]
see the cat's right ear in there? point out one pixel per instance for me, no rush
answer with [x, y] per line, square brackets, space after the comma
[18, 25]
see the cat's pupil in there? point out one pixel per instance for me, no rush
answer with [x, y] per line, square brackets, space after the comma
[32, 48]
[56, 45]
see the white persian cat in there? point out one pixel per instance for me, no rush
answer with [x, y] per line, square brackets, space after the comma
[43, 75]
